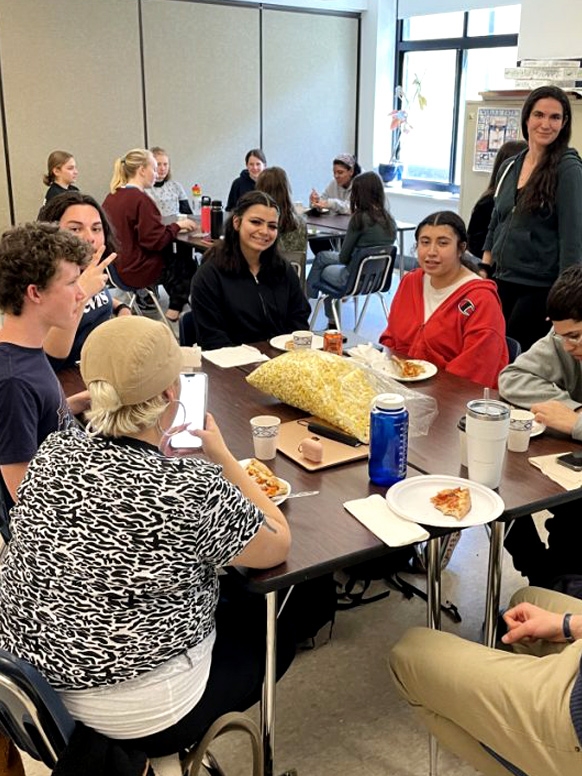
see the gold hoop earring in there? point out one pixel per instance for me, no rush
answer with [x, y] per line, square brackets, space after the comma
[174, 427]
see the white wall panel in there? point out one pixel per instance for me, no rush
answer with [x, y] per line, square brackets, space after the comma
[202, 94]
[309, 88]
[71, 74]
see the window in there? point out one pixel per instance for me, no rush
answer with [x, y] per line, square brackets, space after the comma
[454, 56]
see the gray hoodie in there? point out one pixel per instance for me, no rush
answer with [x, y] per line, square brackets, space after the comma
[544, 373]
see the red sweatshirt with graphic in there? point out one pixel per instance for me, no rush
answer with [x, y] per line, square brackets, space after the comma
[465, 335]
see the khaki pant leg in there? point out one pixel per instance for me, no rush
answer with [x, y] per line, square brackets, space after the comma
[518, 705]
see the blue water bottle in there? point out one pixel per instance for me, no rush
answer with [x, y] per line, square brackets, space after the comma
[388, 439]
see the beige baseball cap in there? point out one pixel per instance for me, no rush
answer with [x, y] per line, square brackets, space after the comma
[138, 357]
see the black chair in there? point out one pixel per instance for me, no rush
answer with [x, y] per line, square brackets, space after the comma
[187, 329]
[514, 348]
[31, 713]
[132, 294]
[369, 272]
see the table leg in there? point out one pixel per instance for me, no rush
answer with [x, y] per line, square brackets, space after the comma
[494, 582]
[401, 252]
[269, 684]
[433, 612]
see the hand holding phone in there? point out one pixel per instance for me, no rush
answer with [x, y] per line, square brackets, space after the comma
[193, 395]
[571, 460]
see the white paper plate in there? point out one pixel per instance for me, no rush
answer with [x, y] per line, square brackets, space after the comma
[411, 499]
[281, 340]
[278, 499]
[537, 428]
[429, 370]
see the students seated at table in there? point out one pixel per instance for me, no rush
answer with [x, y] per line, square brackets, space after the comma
[336, 195]
[146, 254]
[245, 291]
[61, 174]
[82, 215]
[168, 194]
[292, 228]
[370, 225]
[40, 266]
[136, 642]
[443, 312]
[481, 214]
[503, 712]
[255, 161]
[548, 380]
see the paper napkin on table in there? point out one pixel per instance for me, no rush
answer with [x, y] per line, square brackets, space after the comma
[567, 478]
[376, 515]
[235, 356]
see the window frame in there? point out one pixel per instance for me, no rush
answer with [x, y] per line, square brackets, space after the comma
[460, 45]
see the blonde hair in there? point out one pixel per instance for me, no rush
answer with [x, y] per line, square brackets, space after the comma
[158, 151]
[56, 159]
[108, 416]
[126, 167]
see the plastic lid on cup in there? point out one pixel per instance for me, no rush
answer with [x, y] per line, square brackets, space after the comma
[388, 401]
[487, 409]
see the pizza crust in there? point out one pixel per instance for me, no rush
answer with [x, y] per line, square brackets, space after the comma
[265, 479]
[407, 368]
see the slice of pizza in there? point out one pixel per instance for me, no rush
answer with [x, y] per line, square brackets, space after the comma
[455, 502]
[265, 479]
[407, 368]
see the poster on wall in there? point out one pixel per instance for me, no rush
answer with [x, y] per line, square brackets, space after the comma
[495, 126]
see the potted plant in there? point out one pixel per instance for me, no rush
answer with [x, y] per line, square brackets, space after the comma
[399, 123]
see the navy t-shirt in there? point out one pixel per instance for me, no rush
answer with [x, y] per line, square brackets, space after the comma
[98, 309]
[32, 404]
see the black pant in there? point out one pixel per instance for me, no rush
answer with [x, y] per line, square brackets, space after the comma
[236, 673]
[179, 268]
[524, 310]
[542, 565]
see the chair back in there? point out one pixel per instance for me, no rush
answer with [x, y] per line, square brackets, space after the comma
[370, 270]
[298, 260]
[187, 329]
[31, 713]
[514, 348]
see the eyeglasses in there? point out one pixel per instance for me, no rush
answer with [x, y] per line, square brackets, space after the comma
[571, 339]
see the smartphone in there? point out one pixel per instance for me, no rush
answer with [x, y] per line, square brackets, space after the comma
[571, 460]
[193, 396]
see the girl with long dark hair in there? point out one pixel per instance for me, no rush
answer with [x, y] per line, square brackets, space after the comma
[245, 291]
[536, 226]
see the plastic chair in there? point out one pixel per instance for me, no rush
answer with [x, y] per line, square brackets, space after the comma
[187, 329]
[132, 293]
[369, 272]
[298, 260]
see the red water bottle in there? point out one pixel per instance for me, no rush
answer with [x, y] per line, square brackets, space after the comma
[205, 210]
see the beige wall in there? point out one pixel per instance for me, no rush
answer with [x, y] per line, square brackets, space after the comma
[72, 78]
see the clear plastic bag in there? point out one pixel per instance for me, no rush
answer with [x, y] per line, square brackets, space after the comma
[338, 390]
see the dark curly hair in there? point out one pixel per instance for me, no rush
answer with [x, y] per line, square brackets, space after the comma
[30, 255]
[56, 207]
[540, 189]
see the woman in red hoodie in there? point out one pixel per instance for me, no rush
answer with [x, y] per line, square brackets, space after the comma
[444, 312]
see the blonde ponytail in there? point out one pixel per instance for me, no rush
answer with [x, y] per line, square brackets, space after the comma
[125, 168]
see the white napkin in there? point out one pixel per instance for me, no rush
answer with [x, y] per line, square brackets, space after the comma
[235, 356]
[567, 478]
[376, 515]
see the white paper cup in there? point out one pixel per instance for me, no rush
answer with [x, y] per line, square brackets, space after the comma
[487, 431]
[302, 340]
[265, 430]
[298, 207]
[520, 428]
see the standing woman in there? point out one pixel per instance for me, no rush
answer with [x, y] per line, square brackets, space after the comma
[536, 226]
[370, 226]
[336, 195]
[292, 229]
[145, 242]
[61, 174]
[445, 313]
[255, 161]
[245, 291]
[169, 195]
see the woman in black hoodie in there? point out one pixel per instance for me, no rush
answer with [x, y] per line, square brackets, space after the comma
[255, 161]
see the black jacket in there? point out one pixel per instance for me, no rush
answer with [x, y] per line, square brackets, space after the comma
[241, 185]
